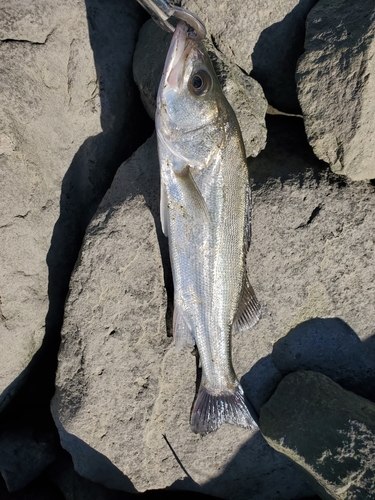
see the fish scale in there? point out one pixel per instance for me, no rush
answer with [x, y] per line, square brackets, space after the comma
[205, 211]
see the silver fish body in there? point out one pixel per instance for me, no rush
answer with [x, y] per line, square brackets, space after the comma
[205, 211]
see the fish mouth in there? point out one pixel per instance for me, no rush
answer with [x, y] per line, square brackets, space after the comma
[180, 48]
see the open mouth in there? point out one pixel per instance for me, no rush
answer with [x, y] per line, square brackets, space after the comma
[180, 48]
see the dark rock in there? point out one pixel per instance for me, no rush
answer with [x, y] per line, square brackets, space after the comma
[328, 431]
[24, 455]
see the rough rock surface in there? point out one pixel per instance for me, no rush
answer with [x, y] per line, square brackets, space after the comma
[264, 38]
[328, 431]
[336, 82]
[121, 385]
[312, 266]
[61, 126]
[243, 93]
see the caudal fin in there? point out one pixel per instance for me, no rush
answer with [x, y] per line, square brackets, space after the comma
[213, 409]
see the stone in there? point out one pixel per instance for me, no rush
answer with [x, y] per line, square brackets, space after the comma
[64, 116]
[335, 82]
[24, 454]
[265, 39]
[328, 431]
[244, 94]
[121, 385]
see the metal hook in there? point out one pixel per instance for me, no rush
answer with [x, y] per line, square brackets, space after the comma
[162, 10]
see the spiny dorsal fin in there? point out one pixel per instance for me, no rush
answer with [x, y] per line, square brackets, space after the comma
[249, 309]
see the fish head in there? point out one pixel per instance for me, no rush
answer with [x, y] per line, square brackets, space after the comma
[191, 108]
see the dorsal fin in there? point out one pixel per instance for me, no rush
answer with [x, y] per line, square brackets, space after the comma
[249, 309]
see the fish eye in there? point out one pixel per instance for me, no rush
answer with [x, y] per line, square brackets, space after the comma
[200, 83]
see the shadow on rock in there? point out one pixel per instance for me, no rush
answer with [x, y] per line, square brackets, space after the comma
[125, 127]
[96, 466]
[261, 473]
[331, 347]
[325, 345]
[287, 155]
[275, 58]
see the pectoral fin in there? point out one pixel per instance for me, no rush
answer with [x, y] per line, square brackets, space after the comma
[193, 194]
[249, 310]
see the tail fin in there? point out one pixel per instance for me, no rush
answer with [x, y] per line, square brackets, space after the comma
[213, 409]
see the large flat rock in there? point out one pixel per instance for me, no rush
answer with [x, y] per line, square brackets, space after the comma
[121, 385]
[59, 133]
[328, 431]
[335, 81]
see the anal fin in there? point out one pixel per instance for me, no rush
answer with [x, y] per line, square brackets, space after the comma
[164, 215]
[249, 310]
[181, 332]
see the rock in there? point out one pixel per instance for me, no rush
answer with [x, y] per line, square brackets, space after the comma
[40, 489]
[24, 454]
[265, 40]
[328, 431]
[243, 93]
[121, 385]
[60, 142]
[335, 80]
[310, 263]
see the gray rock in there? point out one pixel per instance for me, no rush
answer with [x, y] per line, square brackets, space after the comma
[335, 79]
[243, 93]
[58, 142]
[310, 262]
[120, 383]
[264, 38]
[328, 431]
[114, 325]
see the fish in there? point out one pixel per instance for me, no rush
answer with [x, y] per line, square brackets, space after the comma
[205, 211]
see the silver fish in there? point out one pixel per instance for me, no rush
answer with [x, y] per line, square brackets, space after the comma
[205, 211]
